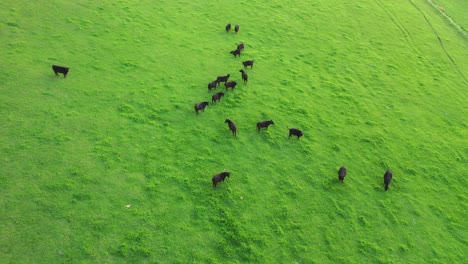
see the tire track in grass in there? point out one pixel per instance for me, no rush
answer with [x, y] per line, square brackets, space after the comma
[449, 18]
[394, 18]
[439, 39]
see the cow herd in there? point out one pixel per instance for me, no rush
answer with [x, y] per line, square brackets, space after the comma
[387, 176]
[232, 85]
[342, 172]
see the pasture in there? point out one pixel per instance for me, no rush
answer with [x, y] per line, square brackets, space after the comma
[112, 164]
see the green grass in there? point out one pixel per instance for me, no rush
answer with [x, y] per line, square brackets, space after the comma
[112, 165]
[456, 10]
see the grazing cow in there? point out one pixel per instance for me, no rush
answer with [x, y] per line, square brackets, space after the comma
[201, 106]
[231, 85]
[264, 124]
[212, 85]
[240, 46]
[232, 127]
[223, 78]
[236, 28]
[248, 63]
[295, 132]
[228, 27]
[387, 178]
[236, 52]
[342, 173]
[220, 178]
[217, 97]
[59, 69]
[245, 77]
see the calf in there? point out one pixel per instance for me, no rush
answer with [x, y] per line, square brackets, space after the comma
[223, 78]
[231, 85]
[201, 106]
[387, 178]
[220, 178]
[217, 97]
[236, 28]
[295, 132]
[59, 69]
[264, 124]
[341, 173]
[212, 85]
[245, 77]
[228, 27]
[236, 52]
[248, 63]
[240, 46]
[232, 127]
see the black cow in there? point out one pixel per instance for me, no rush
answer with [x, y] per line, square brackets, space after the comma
[236, 52]
[212, 85]
[387, 178]
[223, 78]
[220, 178]
[240, 46]
[228, 27]
[248, 63]
[201, 106]
[342, 173]
[231, 85]
[245, 77]
[59, 69]
[295, 132]
[232, 127]
[236, 28]
[264, 124]
[217, 97]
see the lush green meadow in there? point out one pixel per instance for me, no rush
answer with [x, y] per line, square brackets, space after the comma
[112, 165]
[454, 9]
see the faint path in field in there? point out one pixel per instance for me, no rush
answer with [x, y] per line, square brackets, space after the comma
[451, 20]
[400, 26]
[394, 18]
[440, 41]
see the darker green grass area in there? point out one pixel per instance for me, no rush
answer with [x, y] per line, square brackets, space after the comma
[111, 164]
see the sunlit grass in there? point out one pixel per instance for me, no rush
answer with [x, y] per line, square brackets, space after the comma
[111, 164]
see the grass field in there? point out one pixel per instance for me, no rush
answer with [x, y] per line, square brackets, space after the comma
[112, 165]
[456, 9]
